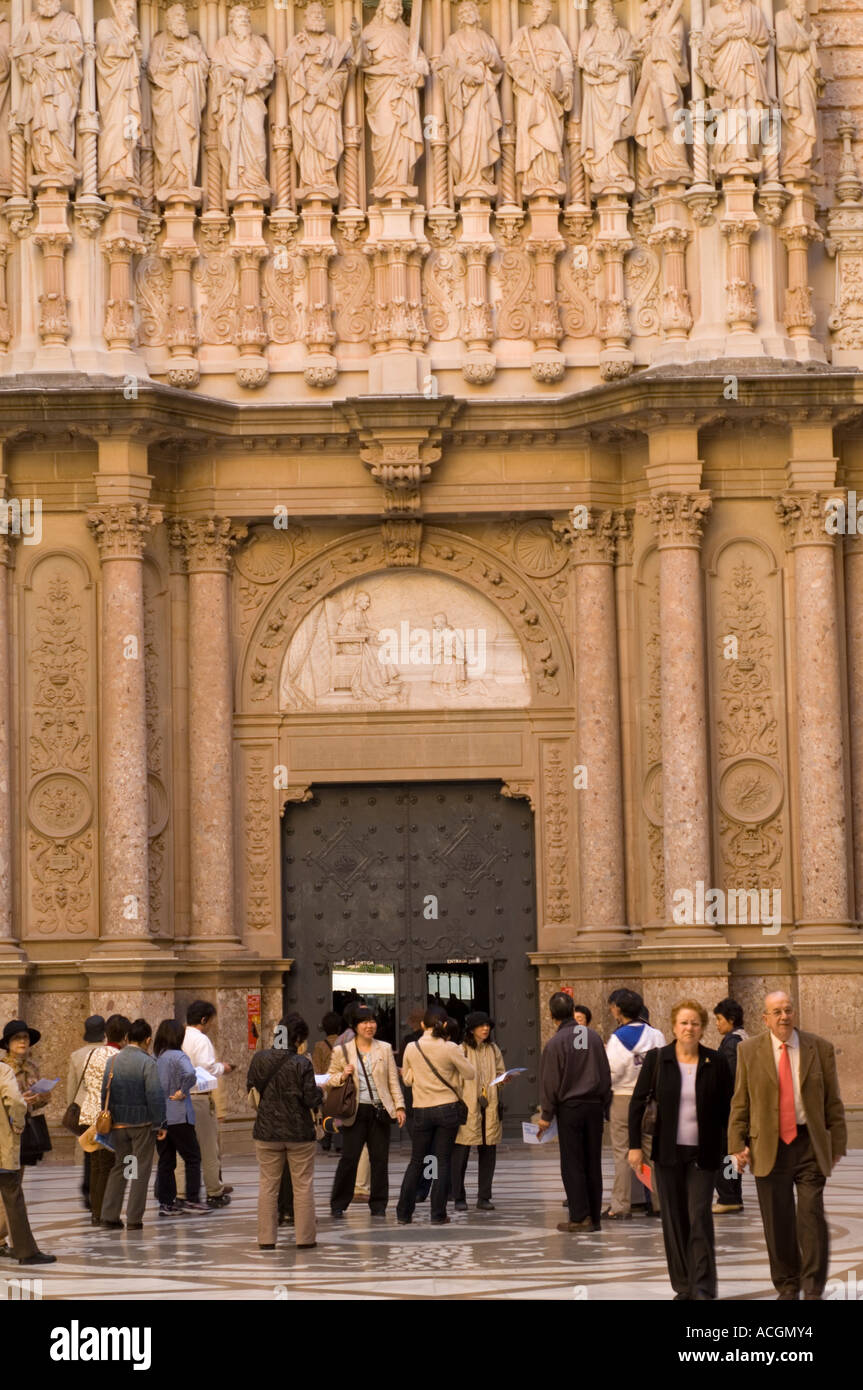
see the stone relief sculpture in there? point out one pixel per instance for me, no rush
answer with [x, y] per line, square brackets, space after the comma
[5, 88]
[48, 52]
[118, 83]
[394, 68]
[732, 62]
[470, 70]
[177, 70]
[316, 67]
[606, 56]
[242, 67]
[541, 67]
[800, 81]
[659, 96]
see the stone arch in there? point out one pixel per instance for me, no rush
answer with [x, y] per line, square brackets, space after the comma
[361, 554]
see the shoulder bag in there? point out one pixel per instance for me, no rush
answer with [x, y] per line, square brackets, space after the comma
[382, 1115]
[72, 1114]
[254, 1095]
[340, 1102]
[104, 1123]
[463, 1111]
[648, 1119]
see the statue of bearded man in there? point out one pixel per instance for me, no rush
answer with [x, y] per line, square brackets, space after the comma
[541, 67]
[393, 77]
[118, 83]
[241, 74]
[177, 69]
[470, 70]
[48, 52]
[316, 67]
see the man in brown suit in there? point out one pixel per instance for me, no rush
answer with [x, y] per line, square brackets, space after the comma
[787, 1119]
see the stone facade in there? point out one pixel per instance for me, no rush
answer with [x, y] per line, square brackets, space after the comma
[295, 372]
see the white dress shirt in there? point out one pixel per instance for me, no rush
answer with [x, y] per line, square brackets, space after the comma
[201, 1053]
[794, 1056]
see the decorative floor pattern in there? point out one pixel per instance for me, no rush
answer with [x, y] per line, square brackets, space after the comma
[513, 1252]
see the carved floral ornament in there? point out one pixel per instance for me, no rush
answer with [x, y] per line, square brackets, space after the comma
[538, 628]
[121, 533]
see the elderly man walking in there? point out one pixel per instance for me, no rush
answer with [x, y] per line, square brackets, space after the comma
[787, 1119]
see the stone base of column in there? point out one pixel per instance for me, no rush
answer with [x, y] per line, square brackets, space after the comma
[842, 933]
[605, 939]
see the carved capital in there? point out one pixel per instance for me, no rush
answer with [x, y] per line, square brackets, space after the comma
[679, 518]
[402, 539]
[7, 546]
[208, 544]
[121, 533]
[803, 514]
[591, 535]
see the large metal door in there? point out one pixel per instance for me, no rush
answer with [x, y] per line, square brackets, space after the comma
[419, 875]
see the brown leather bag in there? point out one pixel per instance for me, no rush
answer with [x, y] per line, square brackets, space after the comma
[104, 1123]
[340, 1102]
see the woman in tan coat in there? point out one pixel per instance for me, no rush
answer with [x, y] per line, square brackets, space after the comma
[379, 1101]
[437, 1070]
[483, 1126]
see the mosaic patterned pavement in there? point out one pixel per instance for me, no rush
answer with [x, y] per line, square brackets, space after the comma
[513, 1252]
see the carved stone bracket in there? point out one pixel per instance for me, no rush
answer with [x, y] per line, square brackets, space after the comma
[520, 791]
[402, 541]
[294, 795]
[400, 454]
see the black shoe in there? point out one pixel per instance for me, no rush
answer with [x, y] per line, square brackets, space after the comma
[337, 1212]
[222, 1201]
[381, 1212]
[485, 1206]
[313, 1245]
[441, 1221]
[460, 1206]
[111, 1225]
[405, 1220]
[682, 1298]
[134, 1225]
[266, 1247]
[40, 1258]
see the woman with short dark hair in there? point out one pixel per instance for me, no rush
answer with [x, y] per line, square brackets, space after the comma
[284, 1131]
[177, 1076]
[482, 1126]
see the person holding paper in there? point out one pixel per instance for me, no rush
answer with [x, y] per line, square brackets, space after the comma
[691, 1086]
[483, 1126]
[575, 1088]
[17, 1041]
[13, 1209]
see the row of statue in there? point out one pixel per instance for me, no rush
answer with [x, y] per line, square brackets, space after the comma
[632, 87]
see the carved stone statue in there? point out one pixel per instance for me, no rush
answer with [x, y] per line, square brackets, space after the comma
[470, 69]
[177, 69]
[48, 51]
[242, 71]
[394, 71]
[732, 62]
[606, 56]
[800, 81]
[659, 95]
[118, 75]
[541, 67]
[316, 67]
[5, 84]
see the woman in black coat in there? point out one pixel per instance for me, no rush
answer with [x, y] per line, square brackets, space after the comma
[284, 1130]
[692, 1088]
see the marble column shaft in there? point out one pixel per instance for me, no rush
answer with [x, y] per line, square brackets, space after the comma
[679, 519]
[6, 931]
[854, 621]
[209, 545]
[121, 533]
[600, 803]
[820, 743]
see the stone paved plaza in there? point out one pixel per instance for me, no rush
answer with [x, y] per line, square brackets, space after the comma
[512, 1253]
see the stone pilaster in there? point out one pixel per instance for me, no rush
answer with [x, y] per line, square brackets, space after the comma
[821, 810]
[209, 546]
[679, 520]
[854, 638]
[8, 948]
[120, 532]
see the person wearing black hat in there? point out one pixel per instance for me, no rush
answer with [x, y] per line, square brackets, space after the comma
[94, 1034]
[13, 1209]
[16, 1042]
[483, 1126]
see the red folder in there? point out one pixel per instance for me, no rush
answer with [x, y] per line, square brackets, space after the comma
[644, 1176]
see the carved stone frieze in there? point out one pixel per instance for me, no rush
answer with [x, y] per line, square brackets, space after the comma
[556, 778]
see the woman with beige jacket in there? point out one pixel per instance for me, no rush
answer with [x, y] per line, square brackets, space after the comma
[379, 1101]
[483, 1126]
[436, 1069]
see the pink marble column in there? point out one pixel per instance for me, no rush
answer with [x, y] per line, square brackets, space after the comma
[821, 811]
[209, 545]
[679, 519]
[121, 533]
[6, 930]
[600, 802]
[854, 640]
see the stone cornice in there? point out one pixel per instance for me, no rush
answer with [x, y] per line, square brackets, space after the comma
[679, 518]
[208, 544]
[121, 532]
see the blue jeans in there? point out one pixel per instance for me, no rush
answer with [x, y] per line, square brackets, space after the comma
[434, 1131]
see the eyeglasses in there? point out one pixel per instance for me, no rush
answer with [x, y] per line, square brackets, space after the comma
[779, 1013]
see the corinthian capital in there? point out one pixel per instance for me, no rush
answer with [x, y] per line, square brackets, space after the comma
[679, 518]
[591, 533]
[208, 544]
[121, 532]
[805, 518]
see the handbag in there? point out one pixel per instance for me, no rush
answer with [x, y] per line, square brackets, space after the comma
[254, 1095]
[340, 1102]
[462, 1110]
[35, 1139]
[88, 1140]
[104, 1123]
[72, 1114]
[382, 1115]
[651, 1110]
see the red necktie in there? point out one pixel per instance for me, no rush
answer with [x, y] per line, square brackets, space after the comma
[787, 1116]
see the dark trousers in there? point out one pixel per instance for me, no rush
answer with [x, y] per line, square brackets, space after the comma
[729, 1191]
[182, 1140]
[85, 1176]
[435, 1128]
[366, 1129]
[20, 1236]
[286, 1195]
[101, 1163]
[487, 1157]
[798, 1241]
[686, 1193]
[579, 1129]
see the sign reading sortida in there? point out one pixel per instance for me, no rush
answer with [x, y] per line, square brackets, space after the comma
[77, 1343]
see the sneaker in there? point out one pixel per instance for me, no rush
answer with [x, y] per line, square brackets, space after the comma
[40, 1258]
[720, 1208]
[194, 1206]
[618, 1216]
[221, 1201]
[170, 1210]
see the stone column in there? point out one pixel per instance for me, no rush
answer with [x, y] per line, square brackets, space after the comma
[854, 629]
[679, 519]
[121, 532]
[600, 803]
[209, 545]
[821, 810]
[8, 948]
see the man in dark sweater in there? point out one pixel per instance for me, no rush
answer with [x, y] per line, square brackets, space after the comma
[575, 1088]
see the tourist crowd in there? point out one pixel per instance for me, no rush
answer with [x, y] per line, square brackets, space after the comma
[684, 1121]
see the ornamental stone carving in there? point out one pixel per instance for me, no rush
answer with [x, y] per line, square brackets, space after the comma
[800, 81]
[606, 56]
[48, 54]
[679, 518]
[395, 69]
[804, 517]
[470, 70]
[118, 83]
[242, 67]
[732, 61]
[541, 67]
[177, 69]
[5, 88]
[209, 544]
[121, 532]
[316, 67]
[659, 96]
